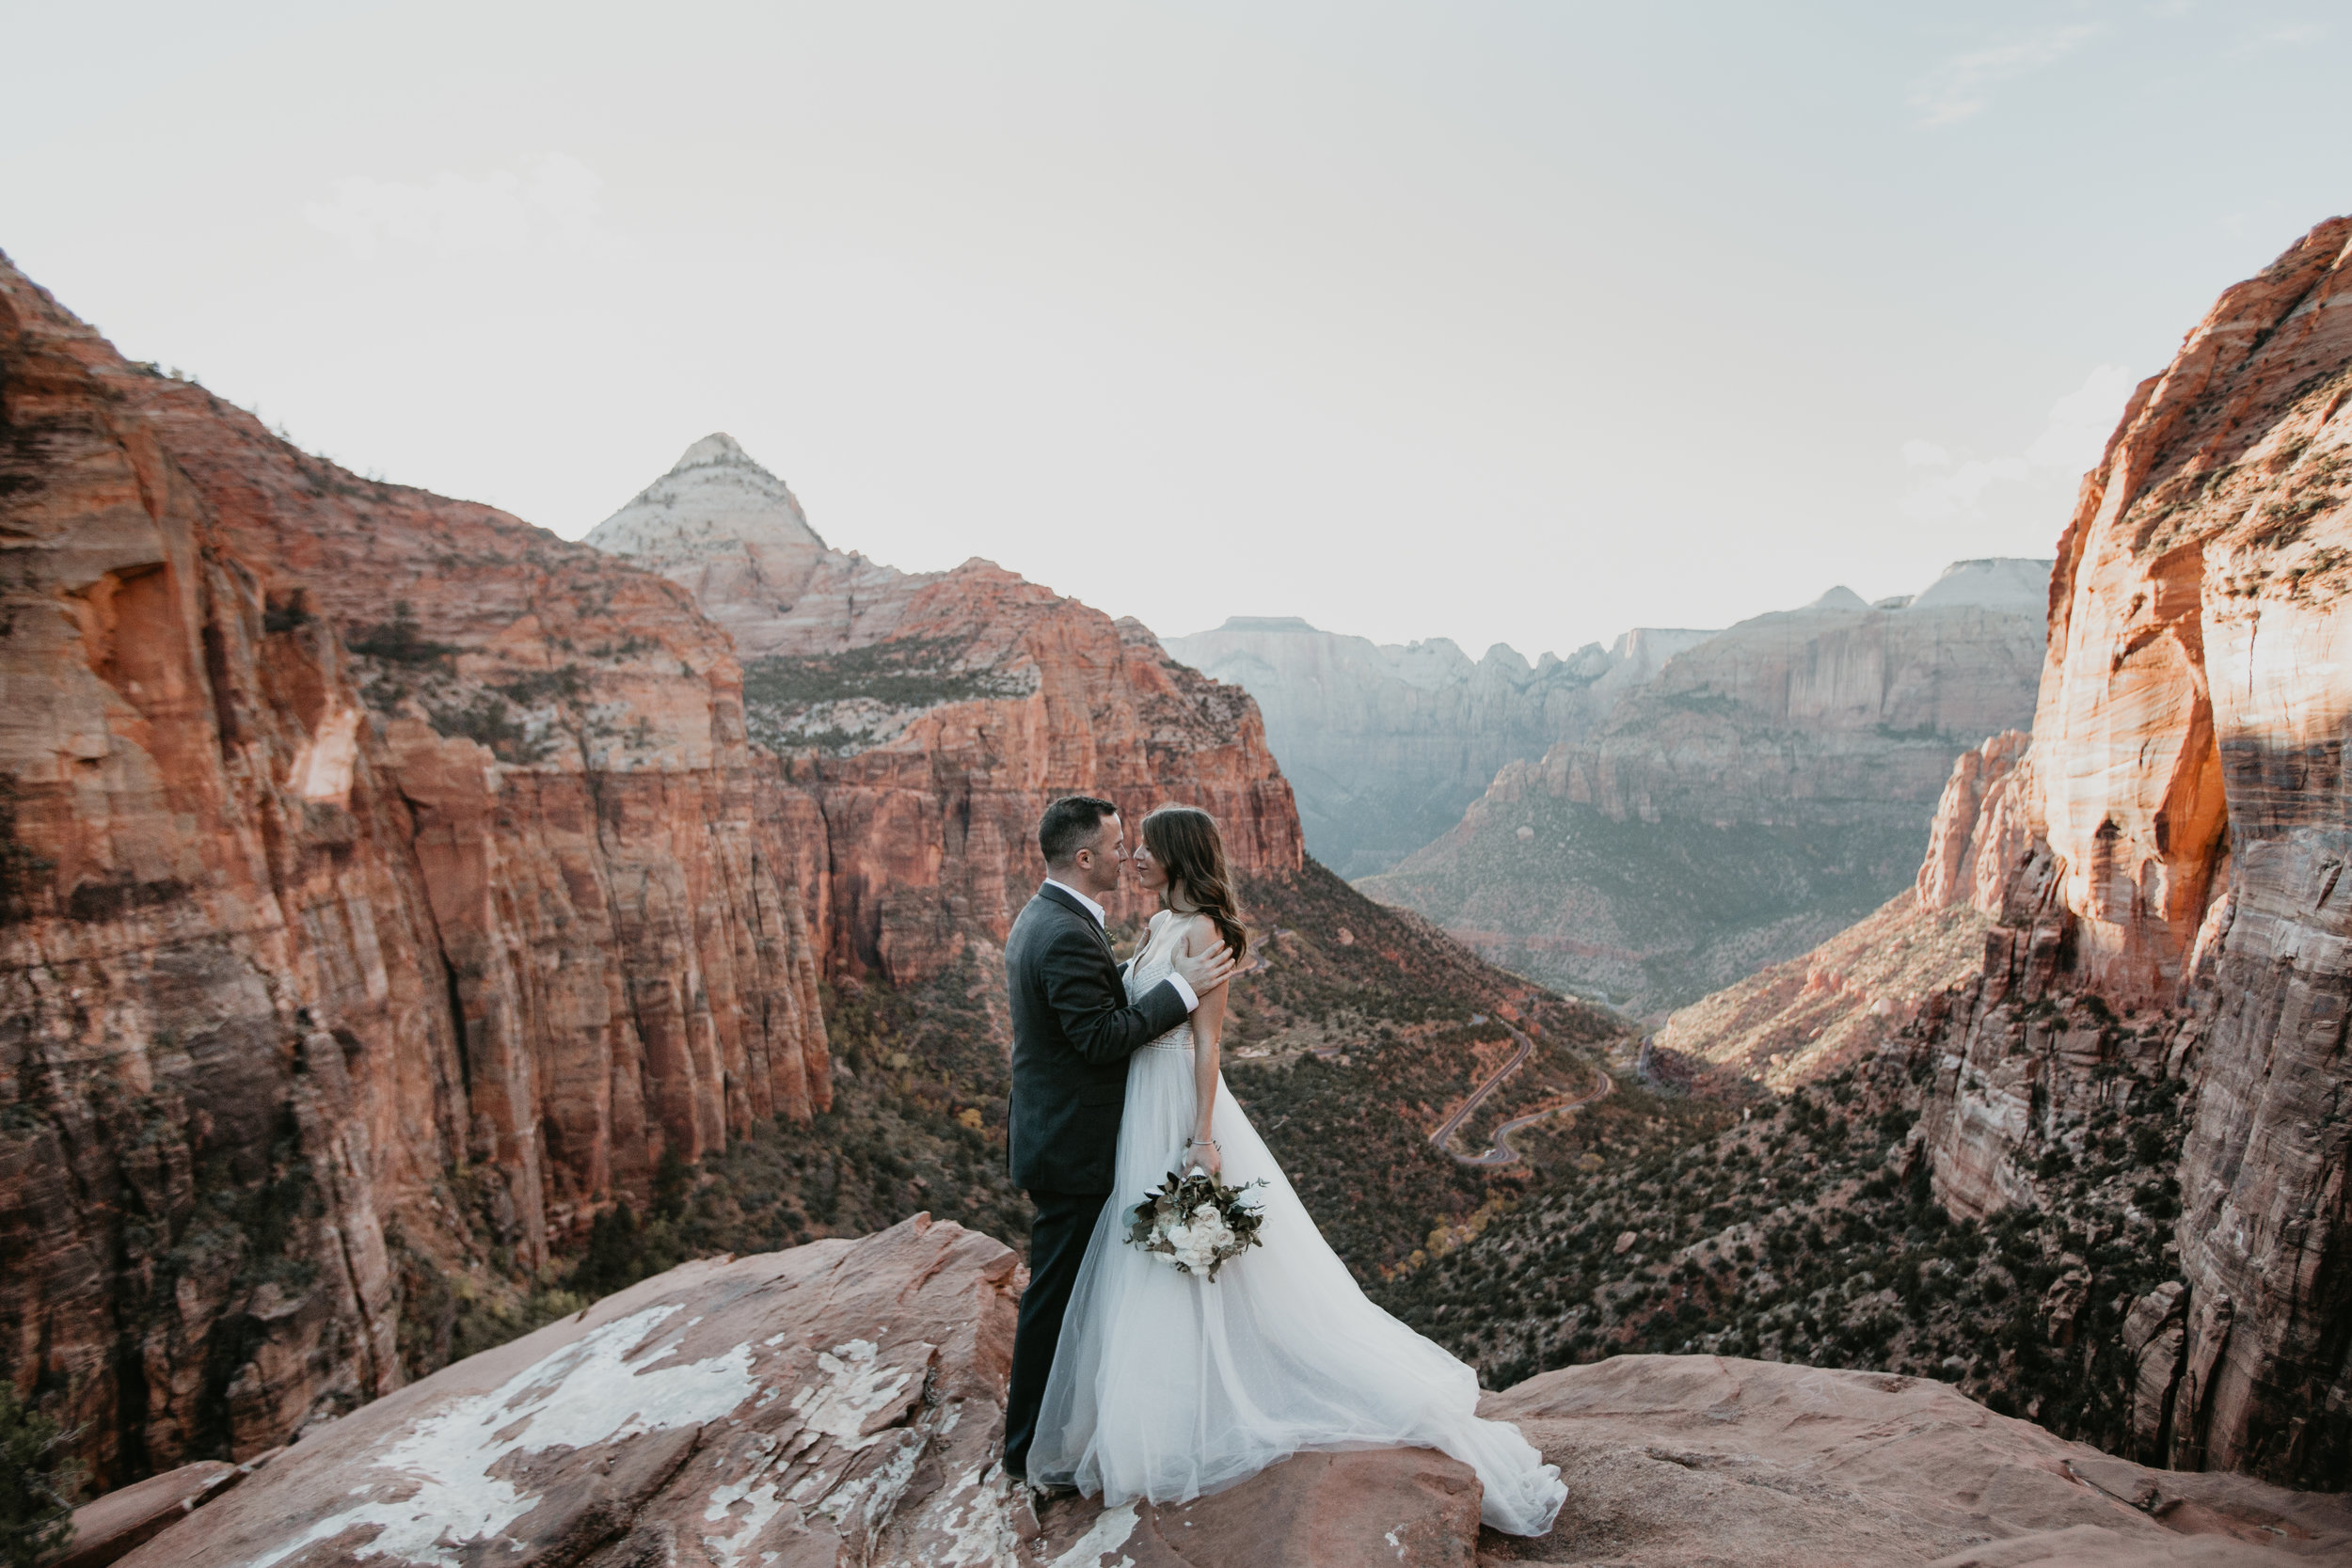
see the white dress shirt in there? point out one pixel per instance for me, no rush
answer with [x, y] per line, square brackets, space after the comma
[1183, 988]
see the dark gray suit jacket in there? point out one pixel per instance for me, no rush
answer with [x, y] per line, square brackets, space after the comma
[1072, 1031]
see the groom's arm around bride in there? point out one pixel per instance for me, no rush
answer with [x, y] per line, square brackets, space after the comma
[1072, 1031]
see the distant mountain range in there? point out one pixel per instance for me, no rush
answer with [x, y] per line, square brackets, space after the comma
[1386, 744]
[1647, 822]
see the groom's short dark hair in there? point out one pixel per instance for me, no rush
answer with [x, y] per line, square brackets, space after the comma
[1069, 825]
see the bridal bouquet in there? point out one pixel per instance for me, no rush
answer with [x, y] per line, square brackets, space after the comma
[1196, 1223]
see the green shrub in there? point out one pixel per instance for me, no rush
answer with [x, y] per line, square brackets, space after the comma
[398, 640]
[38, 1481]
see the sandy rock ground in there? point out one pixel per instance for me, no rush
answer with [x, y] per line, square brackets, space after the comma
[1689, 1462]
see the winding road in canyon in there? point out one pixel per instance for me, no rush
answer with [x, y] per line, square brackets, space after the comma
[1501, 1152]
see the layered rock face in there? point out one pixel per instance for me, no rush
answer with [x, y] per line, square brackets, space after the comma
[1385, 744]
[2189, 815]
[384, 880]
[842, 1401]
[931, 716]
[2160, 872]
[1767, 787]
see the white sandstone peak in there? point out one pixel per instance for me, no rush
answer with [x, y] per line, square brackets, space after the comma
[734, 535]
[715, 499]
[2000, 583]
[716, 447]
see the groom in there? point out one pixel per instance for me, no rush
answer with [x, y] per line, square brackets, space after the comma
[1072, 1031]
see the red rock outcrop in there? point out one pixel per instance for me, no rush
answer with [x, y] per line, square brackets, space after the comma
[931, 716]
[841, 1402]
[382, 881]
[1683, 1459]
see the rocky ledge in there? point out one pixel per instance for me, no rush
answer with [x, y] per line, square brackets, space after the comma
[842, 1402]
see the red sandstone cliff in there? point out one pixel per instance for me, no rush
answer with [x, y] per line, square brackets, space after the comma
[2190, 808]
[508, 845]
[484, 804]
[2163, 872]
[931, 716]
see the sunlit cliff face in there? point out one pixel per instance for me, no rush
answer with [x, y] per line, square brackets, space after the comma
[2193, 628]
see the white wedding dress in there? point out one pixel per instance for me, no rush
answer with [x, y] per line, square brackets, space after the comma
[1167, 1386]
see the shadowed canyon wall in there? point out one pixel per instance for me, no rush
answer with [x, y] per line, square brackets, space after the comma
[347, 946]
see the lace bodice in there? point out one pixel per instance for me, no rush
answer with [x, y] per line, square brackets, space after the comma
[1156, 962]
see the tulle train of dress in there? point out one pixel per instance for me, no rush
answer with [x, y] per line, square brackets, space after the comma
[1167, 1386]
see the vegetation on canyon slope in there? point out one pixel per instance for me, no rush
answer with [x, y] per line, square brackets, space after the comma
[831, 702]
[1664, 913]
[1375, 1025]
[38, 1480]
[1806, 1233]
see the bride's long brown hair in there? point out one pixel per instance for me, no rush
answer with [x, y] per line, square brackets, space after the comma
[1184, 840]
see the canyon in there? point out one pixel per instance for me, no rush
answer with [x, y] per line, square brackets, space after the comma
[391, 891]
[1765, 789]
[1386, 744]
[390, 886]
[2098, 1175]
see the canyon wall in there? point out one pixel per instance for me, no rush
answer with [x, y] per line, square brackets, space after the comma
[2189, 811]
[2157, 876]
[931, 716]
[1386, 744]
[1770, 786]
[382, 881]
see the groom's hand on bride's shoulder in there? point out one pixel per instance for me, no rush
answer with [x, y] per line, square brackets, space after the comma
[1206, 970]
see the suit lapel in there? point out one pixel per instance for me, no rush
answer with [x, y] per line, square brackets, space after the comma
[1101, 938]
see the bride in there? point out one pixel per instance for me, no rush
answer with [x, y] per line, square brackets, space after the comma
[1164, 1384]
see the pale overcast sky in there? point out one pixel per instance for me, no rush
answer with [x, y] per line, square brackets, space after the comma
[1501, 322]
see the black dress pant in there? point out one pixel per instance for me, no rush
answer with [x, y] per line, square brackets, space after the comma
[1058, 1244]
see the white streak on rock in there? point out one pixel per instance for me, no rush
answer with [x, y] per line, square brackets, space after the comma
[975, 1517]
[859, 1390]
[581, 1395]
[1113, 1530]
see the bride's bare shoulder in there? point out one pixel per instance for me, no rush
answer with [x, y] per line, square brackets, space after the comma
[1193, 926]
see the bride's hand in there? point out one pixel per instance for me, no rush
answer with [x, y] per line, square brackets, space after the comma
[1207, 1156]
